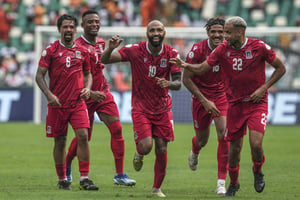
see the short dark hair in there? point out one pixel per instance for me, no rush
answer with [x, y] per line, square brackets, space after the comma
[214, 21]
[88, 12]
[66, 17]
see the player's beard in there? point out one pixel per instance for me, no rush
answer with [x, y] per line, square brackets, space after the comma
[233, 43]
[156, 43]
[68, 37]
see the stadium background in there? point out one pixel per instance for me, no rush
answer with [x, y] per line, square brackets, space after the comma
[19, 19]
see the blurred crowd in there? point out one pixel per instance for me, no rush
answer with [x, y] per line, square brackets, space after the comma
[18, 19]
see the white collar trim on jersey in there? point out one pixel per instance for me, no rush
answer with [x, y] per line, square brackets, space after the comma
[246, 40]
[82, 36]
[151, 51]
[67, 46]
[209, 45]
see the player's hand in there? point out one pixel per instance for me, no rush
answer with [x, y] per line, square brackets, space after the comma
[98, 96]
[177, 61]
[85, 93]
[256, 96]
[211, 108]
[115, 41]
[53, 100]
[162, 82]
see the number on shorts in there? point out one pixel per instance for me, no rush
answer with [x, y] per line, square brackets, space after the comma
[263, 119]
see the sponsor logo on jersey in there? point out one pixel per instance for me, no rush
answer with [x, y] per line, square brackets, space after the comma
[249, 55]
[78, 55]
[163, 63]
[145, 60]
[60, 53]
[228, 53]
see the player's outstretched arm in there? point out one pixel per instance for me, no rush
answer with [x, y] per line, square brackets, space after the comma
[196, 68]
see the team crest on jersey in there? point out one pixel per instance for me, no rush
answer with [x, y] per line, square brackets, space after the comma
[249, 54]
[78, 55]
[48, 129]
[163, 63]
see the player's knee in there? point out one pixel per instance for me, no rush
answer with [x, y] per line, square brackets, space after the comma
[221, 134]
[60, 142]
[202, 142]
[161, 149]
[82, 138]
[256, 147]
[235, 150]
[256, 144]
[145, 148]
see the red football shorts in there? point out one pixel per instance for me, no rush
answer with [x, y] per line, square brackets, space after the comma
[201, 118]
[245, 114]
[107, 106]
[145, 125]
[58, 118]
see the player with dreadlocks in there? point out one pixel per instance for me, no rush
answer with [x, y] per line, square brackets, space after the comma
[209, 100]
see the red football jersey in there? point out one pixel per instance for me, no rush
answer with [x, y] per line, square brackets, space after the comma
[210, 83]
[147, 95]
[244, 68]
[95, 50]
[65, 67]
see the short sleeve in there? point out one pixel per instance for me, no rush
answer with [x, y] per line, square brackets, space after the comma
[268, 52]
[45, 60]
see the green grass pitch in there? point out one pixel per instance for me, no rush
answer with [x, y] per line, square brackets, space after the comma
[27, 168]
